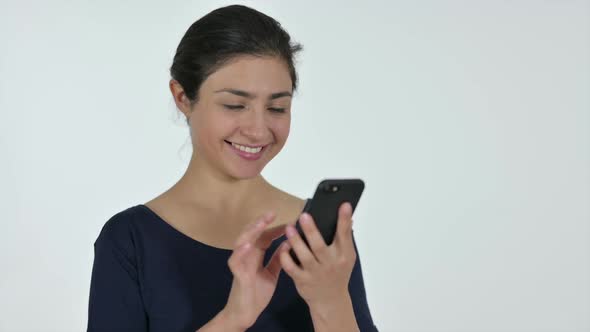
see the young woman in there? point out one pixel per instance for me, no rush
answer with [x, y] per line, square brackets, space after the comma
[211, 253]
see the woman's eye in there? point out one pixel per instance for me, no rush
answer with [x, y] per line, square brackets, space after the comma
[233, 107]
[237, 107]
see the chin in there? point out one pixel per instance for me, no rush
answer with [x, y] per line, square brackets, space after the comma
[245, 174]
[243, 169]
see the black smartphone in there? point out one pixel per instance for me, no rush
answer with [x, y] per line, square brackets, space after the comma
[324, 206]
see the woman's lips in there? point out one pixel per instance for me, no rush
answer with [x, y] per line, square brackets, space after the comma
[247, 155]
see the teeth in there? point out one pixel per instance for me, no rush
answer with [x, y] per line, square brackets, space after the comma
[247, 149]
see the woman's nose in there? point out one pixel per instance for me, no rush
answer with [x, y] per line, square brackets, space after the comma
[254, 126]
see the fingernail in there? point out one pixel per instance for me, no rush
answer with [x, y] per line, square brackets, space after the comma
[347, 207]
[304, 218]
[290, 231]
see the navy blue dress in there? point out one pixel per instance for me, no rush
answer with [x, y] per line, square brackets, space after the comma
[148, 276]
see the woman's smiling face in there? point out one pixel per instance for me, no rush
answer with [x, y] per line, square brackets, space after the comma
[243, 115]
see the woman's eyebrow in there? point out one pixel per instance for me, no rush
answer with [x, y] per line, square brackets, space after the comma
[249, 95]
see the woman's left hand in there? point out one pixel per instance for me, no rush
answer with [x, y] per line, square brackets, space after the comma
[323, 276]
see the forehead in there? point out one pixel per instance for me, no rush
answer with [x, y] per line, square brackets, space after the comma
[260, 75]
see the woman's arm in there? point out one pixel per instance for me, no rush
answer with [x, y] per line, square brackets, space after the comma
[358, 295]
[350, 312]
[221, 323]
[336, 317]
[115, 302]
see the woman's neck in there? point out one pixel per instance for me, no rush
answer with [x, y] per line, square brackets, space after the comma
[203, 185]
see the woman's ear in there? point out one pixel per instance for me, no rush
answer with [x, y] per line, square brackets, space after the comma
[180, 99]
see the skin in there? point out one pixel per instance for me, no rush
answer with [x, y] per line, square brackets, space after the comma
[223, 200]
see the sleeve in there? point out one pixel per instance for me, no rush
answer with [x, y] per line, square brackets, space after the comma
[358, 296]
[115, 302]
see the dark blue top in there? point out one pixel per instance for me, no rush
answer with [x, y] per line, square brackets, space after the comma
[148, 276]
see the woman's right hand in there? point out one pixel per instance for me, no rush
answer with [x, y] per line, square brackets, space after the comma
[253, 284]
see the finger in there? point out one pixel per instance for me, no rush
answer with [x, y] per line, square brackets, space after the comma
[236, 261]
[303, 253]
[290, 267]
[314, 237]
[253, 231]
[274, 264]
[269, 235]
[344, 226]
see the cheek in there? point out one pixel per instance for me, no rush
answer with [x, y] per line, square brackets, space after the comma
[281, 128]
[210, 128]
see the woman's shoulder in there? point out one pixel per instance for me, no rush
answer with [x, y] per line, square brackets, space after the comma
[119, 227]
[285, 198]
[288, 206]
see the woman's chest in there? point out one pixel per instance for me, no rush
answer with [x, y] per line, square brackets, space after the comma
[184, 290]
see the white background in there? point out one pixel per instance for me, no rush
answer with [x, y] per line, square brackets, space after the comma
[468, 120]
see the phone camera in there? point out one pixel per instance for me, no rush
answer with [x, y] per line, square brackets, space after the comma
[330, 188]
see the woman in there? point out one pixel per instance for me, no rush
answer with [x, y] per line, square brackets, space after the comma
[208, 253]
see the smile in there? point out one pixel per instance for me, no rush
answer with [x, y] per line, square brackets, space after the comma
[247, 152]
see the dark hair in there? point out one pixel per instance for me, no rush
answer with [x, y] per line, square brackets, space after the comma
[223, 34]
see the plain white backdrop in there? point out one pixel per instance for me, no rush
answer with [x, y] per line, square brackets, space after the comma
[468, 120]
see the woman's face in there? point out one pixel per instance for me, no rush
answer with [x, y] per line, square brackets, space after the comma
[243, 115]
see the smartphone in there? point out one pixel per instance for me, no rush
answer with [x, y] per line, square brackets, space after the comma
[324, 206]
